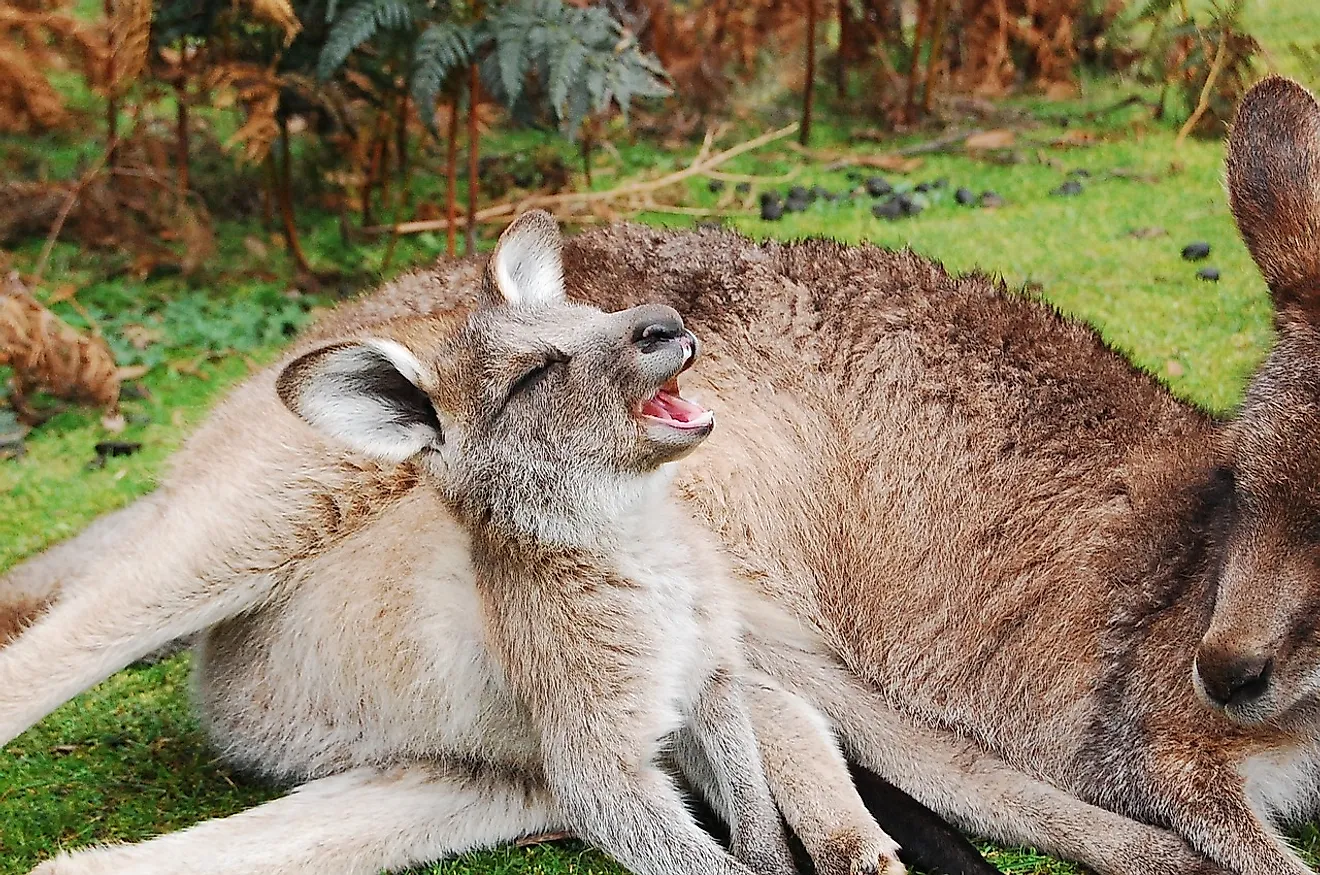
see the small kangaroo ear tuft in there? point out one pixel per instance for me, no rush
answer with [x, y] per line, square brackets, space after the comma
[364, 394]
[1274, 190]
[527, 265]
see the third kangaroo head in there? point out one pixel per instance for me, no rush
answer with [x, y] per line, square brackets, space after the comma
[535, 412]
[1259, 659]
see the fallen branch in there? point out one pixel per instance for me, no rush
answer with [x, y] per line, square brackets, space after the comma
[753, 178]
[894, 162]
[510, 208]
[693, 211]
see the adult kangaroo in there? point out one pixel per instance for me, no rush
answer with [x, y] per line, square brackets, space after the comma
[1022, 580]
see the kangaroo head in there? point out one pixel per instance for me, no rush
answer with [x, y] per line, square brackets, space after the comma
[534, 413]
[1260, 656]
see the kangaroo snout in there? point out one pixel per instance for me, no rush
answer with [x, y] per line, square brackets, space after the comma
[1230, 677]
[654, 326]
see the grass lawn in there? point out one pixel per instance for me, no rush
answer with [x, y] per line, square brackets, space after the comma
[127, 760]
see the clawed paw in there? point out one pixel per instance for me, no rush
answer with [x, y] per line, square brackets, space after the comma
[855, 852]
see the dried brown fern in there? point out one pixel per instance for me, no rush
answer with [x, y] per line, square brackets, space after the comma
[36, 37]
[257, 89]
[48, 355]
[279, 13]
[28, 102]
[130, 41]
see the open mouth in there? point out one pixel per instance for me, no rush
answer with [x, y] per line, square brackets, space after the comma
[668, 408]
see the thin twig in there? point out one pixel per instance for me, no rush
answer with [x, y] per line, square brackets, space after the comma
[753, 178]
[584, 197]
[705, 145]
[1216, 66]
[692, 211]
[66, 208]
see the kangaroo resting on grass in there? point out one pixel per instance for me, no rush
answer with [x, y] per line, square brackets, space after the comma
[1022, 581]
[526, 676]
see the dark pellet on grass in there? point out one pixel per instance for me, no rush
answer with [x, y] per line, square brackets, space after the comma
[991, 201]
[1196, 251]
[795, 205]
[1071, 188]
[965, 196]
[769, 197]
[924, 187]
[878, 186]
[890, 210]
[910, 205]
[772, 210]
[1208, 274]
[715, 186]
[743, 188]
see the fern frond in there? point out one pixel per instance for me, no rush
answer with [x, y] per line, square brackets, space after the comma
[583, 57]
[441, 49]
[357, 25]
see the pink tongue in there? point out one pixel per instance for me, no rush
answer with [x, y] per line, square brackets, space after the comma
[672, 407]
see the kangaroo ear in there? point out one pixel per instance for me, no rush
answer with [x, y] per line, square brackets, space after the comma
[527, 265]
[364, 394]
[1274, 189]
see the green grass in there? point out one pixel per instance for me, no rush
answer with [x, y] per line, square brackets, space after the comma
[127, 760]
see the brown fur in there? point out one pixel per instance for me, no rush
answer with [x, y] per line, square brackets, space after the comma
[17, 615]
[988, 547]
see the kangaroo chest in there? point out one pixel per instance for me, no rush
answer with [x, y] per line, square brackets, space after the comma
[381, 651]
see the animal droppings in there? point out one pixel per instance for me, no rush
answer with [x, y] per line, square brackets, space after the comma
[1196, 251]
[991, 201]
[772, 210]
[890, 210]
[715, 186]
[878, 186]
[1208, 274]
[1071, 188]
[965, 196]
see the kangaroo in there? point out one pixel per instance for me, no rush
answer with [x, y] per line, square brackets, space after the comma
[1021, 580]
[586, 630]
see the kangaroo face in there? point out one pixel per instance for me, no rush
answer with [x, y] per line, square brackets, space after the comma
[1260, 657]
[531, 406]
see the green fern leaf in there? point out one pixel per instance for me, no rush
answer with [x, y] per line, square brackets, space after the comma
[356, 26]
[440, 50]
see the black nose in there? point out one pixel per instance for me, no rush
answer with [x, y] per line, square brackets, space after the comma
[1233, 678]
[657, 325]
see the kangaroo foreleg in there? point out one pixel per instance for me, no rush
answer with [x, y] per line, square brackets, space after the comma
[809, 778]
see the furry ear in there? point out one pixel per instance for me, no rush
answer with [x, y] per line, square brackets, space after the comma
[364, 394]
[1274, 189]
[527, 266]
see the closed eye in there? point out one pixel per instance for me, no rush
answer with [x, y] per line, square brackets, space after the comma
[535, 374]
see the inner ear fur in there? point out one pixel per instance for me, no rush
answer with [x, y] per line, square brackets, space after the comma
[527, 266]
[364, 394]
